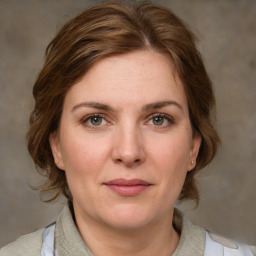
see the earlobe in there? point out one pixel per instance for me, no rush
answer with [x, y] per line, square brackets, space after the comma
[195, 147]
[56, 152]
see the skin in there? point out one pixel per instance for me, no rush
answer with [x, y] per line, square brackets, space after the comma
[134, 135]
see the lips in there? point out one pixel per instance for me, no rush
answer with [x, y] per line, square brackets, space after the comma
[125, 187]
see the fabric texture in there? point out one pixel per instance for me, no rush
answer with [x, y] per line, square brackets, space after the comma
[69, 242]
[219, 246]
[48, 246]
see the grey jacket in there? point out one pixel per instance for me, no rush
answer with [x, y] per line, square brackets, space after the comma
[69, 242]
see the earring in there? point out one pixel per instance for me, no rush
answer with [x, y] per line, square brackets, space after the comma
[192, 162]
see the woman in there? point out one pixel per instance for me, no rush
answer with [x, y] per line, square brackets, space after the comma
[121, 125]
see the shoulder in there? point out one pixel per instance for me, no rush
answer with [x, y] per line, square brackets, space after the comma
[253, 249]
[223, 246]
[29, 245]
[195, 240]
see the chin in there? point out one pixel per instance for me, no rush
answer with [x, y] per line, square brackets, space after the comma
[128, 217]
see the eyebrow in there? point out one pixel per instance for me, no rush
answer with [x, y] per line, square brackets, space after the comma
[147, 107]
[95, 105]
[161, 104]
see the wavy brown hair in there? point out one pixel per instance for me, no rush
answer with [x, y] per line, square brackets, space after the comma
[108, 29]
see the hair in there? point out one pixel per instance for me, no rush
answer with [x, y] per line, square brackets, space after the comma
[109, 29]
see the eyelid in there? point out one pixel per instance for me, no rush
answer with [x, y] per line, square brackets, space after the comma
[161, 115]
[169, 118]
[85, 119]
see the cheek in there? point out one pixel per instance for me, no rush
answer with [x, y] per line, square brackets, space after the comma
[171, 152]
[171, 159]
[83, 155]
[83, 163]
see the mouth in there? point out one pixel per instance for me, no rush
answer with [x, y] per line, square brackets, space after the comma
[125, 187]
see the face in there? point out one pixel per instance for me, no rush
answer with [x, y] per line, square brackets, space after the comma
[125, 141]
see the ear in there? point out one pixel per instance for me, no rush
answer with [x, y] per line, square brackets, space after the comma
[56, 152]
[195, 146]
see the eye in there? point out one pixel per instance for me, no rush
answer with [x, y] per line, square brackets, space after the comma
[158, 120]
[161, 120]
[94, 120]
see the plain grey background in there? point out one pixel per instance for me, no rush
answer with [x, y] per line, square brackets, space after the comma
[227, 39]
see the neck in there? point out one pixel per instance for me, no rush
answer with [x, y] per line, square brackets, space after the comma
[159, 239]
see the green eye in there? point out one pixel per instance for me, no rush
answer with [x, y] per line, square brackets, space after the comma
[96, 120]
[158, 120]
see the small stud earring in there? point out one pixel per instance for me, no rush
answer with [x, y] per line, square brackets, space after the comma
[192, 162]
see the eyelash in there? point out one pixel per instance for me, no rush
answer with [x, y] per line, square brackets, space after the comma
[149, 118]
[162, 115]
[89, 117]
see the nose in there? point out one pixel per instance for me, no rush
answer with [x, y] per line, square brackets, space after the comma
[128, 147]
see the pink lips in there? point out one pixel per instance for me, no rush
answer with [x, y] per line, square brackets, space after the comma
[125, 187]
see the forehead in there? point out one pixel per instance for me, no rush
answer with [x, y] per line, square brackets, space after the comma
[140, 76]
[141, 64]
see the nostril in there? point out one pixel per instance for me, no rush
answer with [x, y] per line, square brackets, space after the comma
[127, 161]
